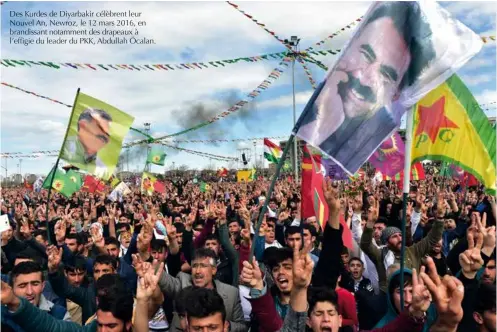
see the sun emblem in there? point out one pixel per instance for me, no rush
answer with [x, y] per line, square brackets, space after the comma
[389, 146]
[73, 179]
[156, 159]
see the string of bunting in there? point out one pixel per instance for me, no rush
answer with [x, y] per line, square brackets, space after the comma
[263, 26]
[333, 35]
[223, 140]
[307, 72]
[40, 155]
[271, 78]
[35, 94]
[199, 153]
[145, 67]
[49, 152]
[10, 63]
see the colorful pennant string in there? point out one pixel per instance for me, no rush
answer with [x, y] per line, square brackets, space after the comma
[10, 63]
[263, 26]
[307, 72]
[35, 94]
[3, 155]
[264, 85]
[224, 140]
[202, 154]
[273, 76]
[333, 35]
[221, 140]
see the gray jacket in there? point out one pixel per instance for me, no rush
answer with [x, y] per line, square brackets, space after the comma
[171, 287]
[294, 321]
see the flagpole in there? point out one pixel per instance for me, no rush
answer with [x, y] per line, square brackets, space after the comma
[57, 165]
[406, 189]
[270, 192]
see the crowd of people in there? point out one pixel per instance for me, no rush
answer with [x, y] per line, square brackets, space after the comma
[192, 260]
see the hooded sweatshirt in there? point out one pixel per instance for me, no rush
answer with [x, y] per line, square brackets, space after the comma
[392, 313]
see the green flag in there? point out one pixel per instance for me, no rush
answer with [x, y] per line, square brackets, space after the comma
[252, 174]
[61, 182]
[204, 187]
[75, 177]
[94, 137]
[156, 156]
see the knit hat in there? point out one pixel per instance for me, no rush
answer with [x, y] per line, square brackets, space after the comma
[387, 232]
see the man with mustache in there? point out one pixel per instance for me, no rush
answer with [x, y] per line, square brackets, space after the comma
[204, 269]
[93, 135]
[348, 112]
[27, 282]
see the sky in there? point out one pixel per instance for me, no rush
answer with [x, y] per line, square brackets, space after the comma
[193, 32]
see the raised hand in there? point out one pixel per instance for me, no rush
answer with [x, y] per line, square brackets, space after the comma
[60, 231]
[441, 206]
[8, 297]
[54, 258]
[421, 297]
[302, 268]
[147, 283]
[471, 260]
[251, 275]
[357, 204]
[447, 295]
[97, 238]
[25, 230]
[138, 264]
[331, 197]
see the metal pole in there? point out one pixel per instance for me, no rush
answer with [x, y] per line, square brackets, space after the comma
[269, 193]
[255, 156]
[295, 170]
[20, 167]
[147, 130]
[406, 188]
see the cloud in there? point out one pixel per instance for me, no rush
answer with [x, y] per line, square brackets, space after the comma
[486, 96]
[202, 31]
[286, 100]
[478, 79]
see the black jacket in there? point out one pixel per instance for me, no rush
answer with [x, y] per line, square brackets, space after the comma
[224, 271]
[364, 285]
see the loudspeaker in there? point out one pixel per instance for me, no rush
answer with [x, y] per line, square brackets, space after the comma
[244, 159]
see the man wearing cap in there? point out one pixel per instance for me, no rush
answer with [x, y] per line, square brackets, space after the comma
[391, 238]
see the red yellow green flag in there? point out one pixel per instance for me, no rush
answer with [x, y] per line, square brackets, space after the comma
[450, 126]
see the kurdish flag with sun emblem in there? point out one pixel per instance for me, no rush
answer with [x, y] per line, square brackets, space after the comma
[61, 182]
[75, 177]
[156, 156]
[450, 126]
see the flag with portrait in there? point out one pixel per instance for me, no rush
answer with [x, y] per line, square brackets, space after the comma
[93, 140]
[401, 51]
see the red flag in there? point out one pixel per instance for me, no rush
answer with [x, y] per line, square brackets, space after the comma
[27, 185]
[92, 184]
[306, 191]
[159, 187]
[222, 172]
[313, 202]
[470, 180]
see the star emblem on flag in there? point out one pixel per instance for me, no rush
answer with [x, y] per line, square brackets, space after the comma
[73, 179]
[58, 185]
[432, 118]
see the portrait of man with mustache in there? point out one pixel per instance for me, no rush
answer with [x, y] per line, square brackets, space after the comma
[347, 117]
